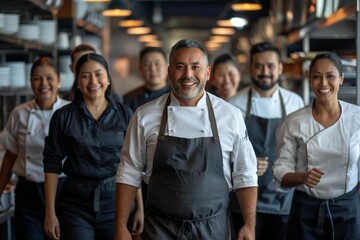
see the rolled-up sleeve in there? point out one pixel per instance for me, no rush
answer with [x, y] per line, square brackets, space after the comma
[245, 164]
[54, 147]
[133, 154]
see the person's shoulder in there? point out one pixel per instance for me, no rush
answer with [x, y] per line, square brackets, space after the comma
[349, 108]
[222, 105]
[155, 103]
[65, 109]
[289, 94]
[300, 114]
[63, 102]
[241, 97]
[23, 108]
[135, 92]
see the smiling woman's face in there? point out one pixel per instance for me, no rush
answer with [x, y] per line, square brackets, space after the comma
[226, 79]
[325, 80]
[45, 83]
[93, 80]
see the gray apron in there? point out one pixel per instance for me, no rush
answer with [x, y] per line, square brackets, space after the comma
[261, 133]
[262, 136]
[188, 194]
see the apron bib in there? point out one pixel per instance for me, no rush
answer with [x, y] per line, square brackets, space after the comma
[187, 192]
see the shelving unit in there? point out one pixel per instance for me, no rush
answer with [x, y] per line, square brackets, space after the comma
[14, 48]
[335, 33]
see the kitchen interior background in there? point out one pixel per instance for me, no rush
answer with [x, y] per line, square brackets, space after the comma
[300, 28]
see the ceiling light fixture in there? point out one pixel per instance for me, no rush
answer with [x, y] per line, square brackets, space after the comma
[246, 5]
[153, 44]
[148, 38]
[220, 39]
[96, 0]
[117, 8]
[223, 31]
[131, 23]
[138, 30]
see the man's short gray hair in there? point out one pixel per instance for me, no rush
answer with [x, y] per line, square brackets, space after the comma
[189, 44]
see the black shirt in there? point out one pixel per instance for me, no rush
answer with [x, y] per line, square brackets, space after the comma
[91, 147]
[142, 95]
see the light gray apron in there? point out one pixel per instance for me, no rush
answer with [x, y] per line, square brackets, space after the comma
[188, 194]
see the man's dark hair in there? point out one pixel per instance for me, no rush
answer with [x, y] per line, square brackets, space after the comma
[264, 47]
[147, 50]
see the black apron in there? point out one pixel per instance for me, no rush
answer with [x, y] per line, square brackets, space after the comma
[312, 218]
[188, 194]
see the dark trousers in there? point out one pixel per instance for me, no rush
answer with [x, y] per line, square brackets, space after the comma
[30, 210]
[268, 226]
[87, 209]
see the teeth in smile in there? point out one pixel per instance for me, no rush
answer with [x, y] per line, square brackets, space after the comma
[44, 90]
[324, 90]
[189, 83]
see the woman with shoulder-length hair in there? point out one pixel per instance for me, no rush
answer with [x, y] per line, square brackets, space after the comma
[88, 134]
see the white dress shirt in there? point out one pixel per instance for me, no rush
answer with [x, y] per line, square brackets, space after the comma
[267, 108]
[24, 136]
[187, 122]
[303, 144]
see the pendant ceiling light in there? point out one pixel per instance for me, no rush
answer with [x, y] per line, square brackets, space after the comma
[246, 5]
[138, 30]
[117, 8]
[131, 22]
[96, 0]
[232, 19]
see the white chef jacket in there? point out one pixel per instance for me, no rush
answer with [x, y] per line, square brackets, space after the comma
[187, 122]
[337, 152]
[24, 136]
[267, 108]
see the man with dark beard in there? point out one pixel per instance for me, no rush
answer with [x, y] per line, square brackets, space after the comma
[264, 104]
[187, 139]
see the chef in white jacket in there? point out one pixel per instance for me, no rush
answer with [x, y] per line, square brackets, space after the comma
[318, 154]
[187, 139]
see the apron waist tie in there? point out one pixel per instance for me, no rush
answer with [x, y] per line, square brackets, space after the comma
[98, 191]
[188, 230]
[324, 208]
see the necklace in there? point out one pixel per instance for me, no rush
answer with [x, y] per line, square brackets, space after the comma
[101, 105]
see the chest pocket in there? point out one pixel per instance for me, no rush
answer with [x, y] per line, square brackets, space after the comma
[188, 158]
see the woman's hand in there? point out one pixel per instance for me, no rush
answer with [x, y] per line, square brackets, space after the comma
[51, 226]
[312, 177]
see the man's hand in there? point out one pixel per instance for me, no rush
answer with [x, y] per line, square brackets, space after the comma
[262, 165]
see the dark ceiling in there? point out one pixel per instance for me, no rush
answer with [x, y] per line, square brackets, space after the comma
[196, 14]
